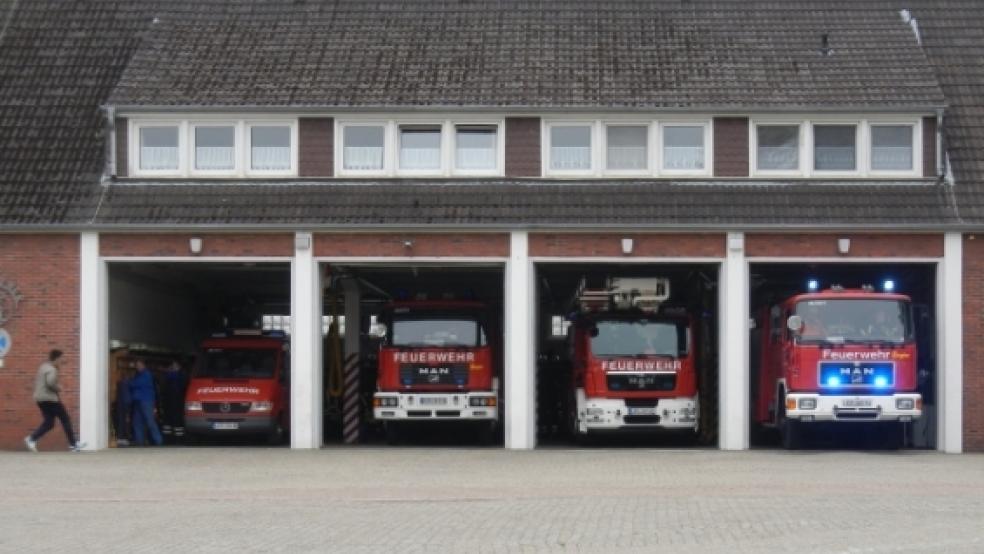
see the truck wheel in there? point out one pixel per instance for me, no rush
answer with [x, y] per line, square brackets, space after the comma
[486, 434]
[789, 431]
[892, 436]
[277, 435]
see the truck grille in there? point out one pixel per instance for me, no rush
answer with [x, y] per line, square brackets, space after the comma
[641, 381]
[450, 374]
[225, 407]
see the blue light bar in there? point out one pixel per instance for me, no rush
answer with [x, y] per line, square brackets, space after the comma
[833, 381]
[888, 285]
[813, 285]
[881, 381]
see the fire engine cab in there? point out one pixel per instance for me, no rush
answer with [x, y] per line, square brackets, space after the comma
[838, 355]
[436, 363]
[633, 357]
[240, 386]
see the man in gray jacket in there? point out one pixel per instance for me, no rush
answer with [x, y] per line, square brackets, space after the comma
[46, 391]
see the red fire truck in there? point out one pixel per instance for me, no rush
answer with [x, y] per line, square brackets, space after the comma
[838, 355]
[436, 363]
[240, 386]
[634, 361]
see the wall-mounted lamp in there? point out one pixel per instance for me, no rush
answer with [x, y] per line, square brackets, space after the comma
[843, 246]
[627, 245]
[736, 243]
[195, 245]
[408, 244]
[302, 241]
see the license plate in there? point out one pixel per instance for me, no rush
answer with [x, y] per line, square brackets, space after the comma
[225, 425]
[642, 411]
[439, 401]
[857, 402]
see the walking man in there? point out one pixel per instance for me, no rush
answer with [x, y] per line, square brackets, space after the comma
[46, 391]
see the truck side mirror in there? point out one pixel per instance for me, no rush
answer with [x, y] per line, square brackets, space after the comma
[794, 323]
[378, 331]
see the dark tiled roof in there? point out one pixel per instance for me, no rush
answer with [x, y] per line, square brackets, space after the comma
[528, 202]
[539, 53]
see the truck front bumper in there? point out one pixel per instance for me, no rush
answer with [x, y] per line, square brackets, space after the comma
[467, 406]
[613, 414]
[852, 407]
[231, 425]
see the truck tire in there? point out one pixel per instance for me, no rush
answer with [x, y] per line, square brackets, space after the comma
[276, 435]
[891, 436]
[789, 433]
[486, 434]
[391, 433]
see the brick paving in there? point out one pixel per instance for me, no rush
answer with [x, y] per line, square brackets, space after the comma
[491, 500]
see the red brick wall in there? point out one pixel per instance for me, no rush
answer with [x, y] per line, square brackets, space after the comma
[45, 269]
[862, 245]
[523, 147]
[973, 343]
[316, 151]
[424, 244]
[731, 147]
[929, 146]
[609, 245]
[122, 165]
[281, 244]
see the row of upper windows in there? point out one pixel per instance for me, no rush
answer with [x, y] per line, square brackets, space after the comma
[789, 148]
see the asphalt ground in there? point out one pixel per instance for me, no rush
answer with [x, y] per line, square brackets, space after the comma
[474, 499]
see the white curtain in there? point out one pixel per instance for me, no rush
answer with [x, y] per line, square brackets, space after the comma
[270, 157]
[891, 157]
[778, 157]
[570, 157]
[158, 157]
[683, 157]
[626, 157]
[420, 158]
[363, 157]
[834, 158]
[475, 158]
[215, 157]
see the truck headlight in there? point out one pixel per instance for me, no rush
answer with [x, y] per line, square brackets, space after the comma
[905, 404]
[385, 401]
[482, 401]
[193, 406]
[595, 411]
[262, 406]
[808, 403]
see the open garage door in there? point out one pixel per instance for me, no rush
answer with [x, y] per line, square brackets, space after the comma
[416, 357]
[627, 353]
[864, 375]
[199, 352]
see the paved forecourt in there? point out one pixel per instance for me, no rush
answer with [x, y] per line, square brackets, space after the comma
[491, 500]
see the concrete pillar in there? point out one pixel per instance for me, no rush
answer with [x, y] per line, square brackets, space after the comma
[306, 387]
[950, 336]
[733, 403]
[519, 357]
[93, 344]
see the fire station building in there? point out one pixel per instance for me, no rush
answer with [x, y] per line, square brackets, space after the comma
[168, 168]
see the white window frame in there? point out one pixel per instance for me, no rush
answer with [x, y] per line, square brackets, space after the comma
[753, 125]
[708, 169]
[237, 148]
[917, 147]
[651, 154]
[546, 147]
[860, 157]
[500, 148]
[391, 144]
[247, 160]
[340, 170]
[186, 145]
[133, 132]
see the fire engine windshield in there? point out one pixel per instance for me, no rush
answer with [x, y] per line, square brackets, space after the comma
[220, 363]
[639, 338]
[854, 320]
[437, 330]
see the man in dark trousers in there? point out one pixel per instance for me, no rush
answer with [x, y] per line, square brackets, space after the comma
[144, 396]
[46, 391]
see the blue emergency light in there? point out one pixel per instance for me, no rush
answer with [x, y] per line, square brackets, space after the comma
[888, 285]
[813, 285]
[833, 381]
[881, 381]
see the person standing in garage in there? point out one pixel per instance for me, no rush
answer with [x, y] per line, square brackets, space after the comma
[143, 396]
[46, 391]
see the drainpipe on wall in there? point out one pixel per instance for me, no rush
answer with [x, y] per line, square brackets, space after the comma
[109, 132]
